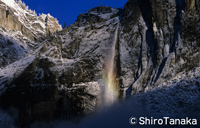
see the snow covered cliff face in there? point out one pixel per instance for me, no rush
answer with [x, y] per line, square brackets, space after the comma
[17, 17]
[158, 40]
[63, 74]
[22, 28]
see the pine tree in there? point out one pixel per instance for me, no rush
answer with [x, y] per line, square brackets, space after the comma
[34, 12]
[27, 7]
[65, 24]
[20, 2]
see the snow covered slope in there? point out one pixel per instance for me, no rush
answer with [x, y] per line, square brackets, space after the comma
[21, 30]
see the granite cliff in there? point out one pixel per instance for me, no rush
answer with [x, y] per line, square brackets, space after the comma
[155, 60]
[21, 30]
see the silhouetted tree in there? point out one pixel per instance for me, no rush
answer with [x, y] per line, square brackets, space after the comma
[65, 25]
[7, 13]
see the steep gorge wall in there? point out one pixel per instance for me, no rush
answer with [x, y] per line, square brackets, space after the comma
[65, 70]
[8, 20]
[23, 29]
[155, 42]
[27, 22]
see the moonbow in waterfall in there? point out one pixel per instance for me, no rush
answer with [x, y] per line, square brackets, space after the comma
[111, 93]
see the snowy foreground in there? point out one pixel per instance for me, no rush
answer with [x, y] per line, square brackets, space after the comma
[178, 99]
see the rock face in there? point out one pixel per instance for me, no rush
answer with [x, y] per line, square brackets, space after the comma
[23, 29]
[51, 24]
[17, 17]
[61, 76]
[161, 42]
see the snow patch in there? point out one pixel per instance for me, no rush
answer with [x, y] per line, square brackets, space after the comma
[6, 121]
[14, 70]
[10, 3]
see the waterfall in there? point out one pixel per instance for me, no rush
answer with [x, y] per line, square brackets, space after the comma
[111, 87]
